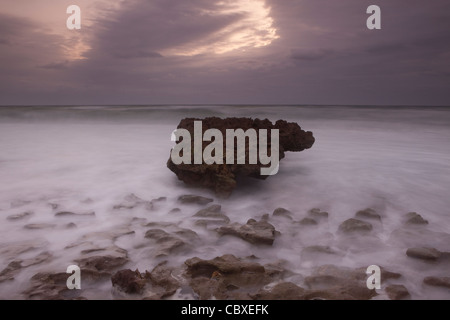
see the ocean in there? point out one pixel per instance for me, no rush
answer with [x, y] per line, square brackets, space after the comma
[85, 159]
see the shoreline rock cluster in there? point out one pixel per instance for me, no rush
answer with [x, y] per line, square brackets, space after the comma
[106, 264]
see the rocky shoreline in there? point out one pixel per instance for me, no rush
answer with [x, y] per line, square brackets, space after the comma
[108, 267]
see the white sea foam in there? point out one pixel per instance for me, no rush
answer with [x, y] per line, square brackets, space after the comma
[395, 160]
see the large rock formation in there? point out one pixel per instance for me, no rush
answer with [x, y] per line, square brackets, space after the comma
[222, 177]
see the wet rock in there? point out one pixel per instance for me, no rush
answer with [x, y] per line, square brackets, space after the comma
[174, 210]
[39, 226]
[211, 215]
[10, 251]
[317, 214]
[437, 281]
[354, 225]
[132, 201]
[332, 282]
[397, 292]
[71, 225]
[166, 243]
[225, 277]
[308, 222]
[423, 253]
[254, 232]
[282, 291]
[15, 266]
[131, 282]
[222, 177]
[40, 258]
[10, 271]
[318, 250]
[281, 212]
[105, 263]
[73, 214]
[415, 219]
[226, 264]
[51, 286]
[369, 214]
[193, 199]
[159, 224]
[20, 216]
[163, 282]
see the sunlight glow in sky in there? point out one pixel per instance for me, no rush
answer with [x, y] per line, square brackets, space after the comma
[255, 29]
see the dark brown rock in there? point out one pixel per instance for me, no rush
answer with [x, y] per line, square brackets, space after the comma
[222, 177]
[20, 216]
[423, 253]
[225, 277]
[254, 232]
[226, 264]
[308, 222]
[282, 212]
[354, 225]
[193, 199]
[397, 292]
[369, 214]
[317, 214]
[211, 215]
[105, 263]
[437, 281]
[73, 214]
[331, 282]
[415, 218]
[129, 281]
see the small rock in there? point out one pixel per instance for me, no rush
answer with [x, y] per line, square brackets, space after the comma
[129, 281]
[423, 253]
[72, 214]
[213, 215]
[101, 263]
[308, 222]
[281, 212]
[20, 216]
[175, 210]
[10, 271]
[415, 218]
[355, 225]
[226, 264]
[193, 199]
[39, 226]
[318, 249]
[254, 232]
[397, 292]
[437, 281]
[166, 242]
[318, 214]
[368, 213]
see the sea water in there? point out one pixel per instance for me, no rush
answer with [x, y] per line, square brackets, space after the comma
[88, 158]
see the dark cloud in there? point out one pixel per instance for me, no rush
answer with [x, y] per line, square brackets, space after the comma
[324, 54]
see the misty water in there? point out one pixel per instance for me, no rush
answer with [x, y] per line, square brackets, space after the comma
[88, 159]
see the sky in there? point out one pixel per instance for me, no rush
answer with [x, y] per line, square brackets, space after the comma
[225, 52]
